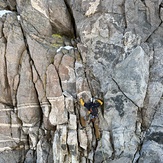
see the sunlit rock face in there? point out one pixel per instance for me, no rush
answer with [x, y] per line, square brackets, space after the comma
[54, 52]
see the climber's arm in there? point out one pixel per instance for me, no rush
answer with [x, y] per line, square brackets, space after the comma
[100, 101]
[82, 102]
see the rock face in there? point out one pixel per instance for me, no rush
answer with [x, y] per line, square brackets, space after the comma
[54, 52]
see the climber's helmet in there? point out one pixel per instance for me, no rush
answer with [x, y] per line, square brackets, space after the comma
[92, 99]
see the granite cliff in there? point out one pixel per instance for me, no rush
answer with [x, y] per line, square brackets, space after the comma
[54, 52]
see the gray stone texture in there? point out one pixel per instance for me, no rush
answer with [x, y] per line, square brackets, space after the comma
[54, 52]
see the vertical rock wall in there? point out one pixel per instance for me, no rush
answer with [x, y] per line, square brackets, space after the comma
[54, 52]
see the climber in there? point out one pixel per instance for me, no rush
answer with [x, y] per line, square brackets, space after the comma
[92, 107]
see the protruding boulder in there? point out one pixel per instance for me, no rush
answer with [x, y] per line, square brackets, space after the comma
[28, 105]
[73, 145]
[60, 150]
[72, 122]
[67, 74]
[83, 140]
[15, 47]
[104, 148]
[58, 113]
[134, 82]
[53, 87]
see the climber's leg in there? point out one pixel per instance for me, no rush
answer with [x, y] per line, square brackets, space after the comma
[82, 114]
[83, 121]
[96, 128]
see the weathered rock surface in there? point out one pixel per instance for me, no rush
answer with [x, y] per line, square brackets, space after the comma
[54, 52]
